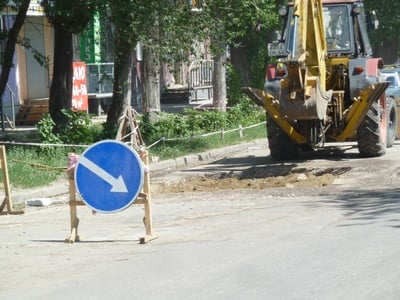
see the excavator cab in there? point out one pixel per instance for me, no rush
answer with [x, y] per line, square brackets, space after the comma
[344, 23]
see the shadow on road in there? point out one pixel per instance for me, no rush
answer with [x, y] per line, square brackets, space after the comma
[366, 206]
[361, 206]
[252, 166]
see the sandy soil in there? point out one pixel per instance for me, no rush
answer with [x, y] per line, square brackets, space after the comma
[310, 178]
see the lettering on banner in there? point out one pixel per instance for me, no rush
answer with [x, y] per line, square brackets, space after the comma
[79, 87]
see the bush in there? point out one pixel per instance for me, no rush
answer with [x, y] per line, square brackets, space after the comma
[78, 130]
[245, 113]
[45, 127]
[195, 122]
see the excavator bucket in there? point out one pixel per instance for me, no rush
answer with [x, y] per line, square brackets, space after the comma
[309, 104]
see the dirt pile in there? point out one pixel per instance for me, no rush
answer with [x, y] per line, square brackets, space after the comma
[255, 179]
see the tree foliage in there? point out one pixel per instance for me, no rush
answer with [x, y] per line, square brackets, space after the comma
[164, 28]
[232, 20]
[386, 38]
[177, 28]
[235, 23]
[72, 15]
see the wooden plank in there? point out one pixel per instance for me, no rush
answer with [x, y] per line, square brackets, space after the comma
[32, 112]
[7, 202]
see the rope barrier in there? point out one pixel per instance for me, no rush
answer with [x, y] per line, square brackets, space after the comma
[42, 144]
[163, 139]
[39, 166]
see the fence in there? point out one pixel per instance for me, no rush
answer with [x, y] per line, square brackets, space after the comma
[100, 78]
[10, 108]
[200, 77]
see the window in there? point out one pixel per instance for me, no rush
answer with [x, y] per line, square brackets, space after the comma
[337, 31]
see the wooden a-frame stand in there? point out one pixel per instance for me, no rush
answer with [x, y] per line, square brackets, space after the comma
[7, 202]
[128, 128]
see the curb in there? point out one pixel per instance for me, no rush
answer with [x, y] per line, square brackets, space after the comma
[199, 158]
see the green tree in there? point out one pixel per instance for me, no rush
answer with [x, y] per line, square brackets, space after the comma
[124, 16]
[168, 31]
[68, 17]
[231, 23]
[165, 30]
[168, 39]
[385, 40]
[248, 53]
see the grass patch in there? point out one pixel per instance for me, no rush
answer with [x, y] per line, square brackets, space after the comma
[30, 167]
[176, 148]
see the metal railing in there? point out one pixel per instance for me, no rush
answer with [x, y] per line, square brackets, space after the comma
[200, 77]
[99, 78]
[4, 115]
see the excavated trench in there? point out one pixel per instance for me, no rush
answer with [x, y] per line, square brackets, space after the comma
[256, 178]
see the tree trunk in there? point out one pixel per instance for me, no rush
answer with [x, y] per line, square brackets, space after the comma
[122, 83]
[178, 73]
[241, 63]
[61, 85]
[10, 46]
[219, 80]
[151, 82]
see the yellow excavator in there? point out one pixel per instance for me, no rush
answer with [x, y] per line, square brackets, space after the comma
[324, 85]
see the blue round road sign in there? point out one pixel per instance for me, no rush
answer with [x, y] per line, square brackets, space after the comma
[109, 176]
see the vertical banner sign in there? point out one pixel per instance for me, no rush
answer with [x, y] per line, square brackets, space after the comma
[79, 87]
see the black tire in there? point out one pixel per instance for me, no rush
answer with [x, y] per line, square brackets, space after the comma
[391, 114]
[371, 142]
[280, 145]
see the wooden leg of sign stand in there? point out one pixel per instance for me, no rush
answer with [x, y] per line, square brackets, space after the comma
[73, 203]
[7, 203]
[145, 199]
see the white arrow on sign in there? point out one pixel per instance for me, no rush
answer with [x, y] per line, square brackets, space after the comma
[118, 184]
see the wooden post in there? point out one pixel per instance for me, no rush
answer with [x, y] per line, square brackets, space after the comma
[73, 203]
[146, 200]
[7, 202]
[128, 128]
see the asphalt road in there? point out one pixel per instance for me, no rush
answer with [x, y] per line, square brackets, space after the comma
[332, 242]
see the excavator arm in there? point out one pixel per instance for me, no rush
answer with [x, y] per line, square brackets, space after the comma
[303, 93]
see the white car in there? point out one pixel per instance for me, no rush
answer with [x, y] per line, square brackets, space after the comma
[392, 75]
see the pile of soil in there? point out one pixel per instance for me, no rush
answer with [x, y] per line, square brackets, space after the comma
[252, 180]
